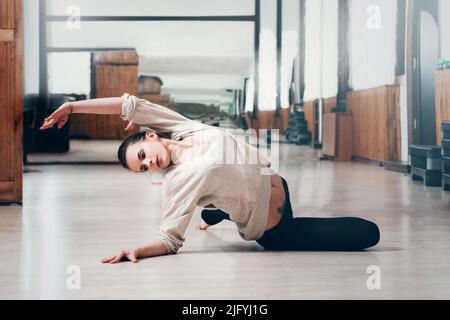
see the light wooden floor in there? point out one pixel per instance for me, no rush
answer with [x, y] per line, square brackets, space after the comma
[86, 151]
[74, 215]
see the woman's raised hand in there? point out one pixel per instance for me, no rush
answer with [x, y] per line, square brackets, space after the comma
[130, 255]
[60, 116]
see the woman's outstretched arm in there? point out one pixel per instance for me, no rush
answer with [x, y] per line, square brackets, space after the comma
[98, 106]
[94, 106]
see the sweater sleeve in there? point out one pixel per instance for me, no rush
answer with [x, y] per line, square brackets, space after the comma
[171, 233]
[181, 195]
[160, 118]
[176, 219]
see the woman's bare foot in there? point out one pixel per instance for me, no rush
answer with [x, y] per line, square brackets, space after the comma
[202, 225]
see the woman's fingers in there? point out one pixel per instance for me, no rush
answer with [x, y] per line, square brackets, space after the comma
[129, 126]
[55, 115]
[49, 122]
[132, 257]
[59, 116]
[107, 260]
[61, 123]
[118, 257]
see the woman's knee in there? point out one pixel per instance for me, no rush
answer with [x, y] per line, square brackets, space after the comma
[373, 234]
[359, 233]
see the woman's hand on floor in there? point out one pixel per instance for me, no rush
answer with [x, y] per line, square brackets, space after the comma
[130, 255]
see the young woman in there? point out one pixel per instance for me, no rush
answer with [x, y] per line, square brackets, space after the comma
[201, 169]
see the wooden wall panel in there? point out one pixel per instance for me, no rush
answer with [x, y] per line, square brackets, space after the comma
[376, 119]
[309, 117]
[11, 100]
[338, 136]
[266, 119]
[329, 104]
[329, 135]
[285, 115]
[442, 100]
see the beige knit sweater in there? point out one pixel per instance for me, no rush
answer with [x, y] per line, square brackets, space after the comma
[224, 171]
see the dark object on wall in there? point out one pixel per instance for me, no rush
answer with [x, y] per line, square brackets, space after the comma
[442, 105]
[338, 136]
[446, 147]
[317, 119]
[314, 112]
[445, 136]
[425, 157]
[29, 113]
[446, 165]
[423, 47]
[297, 131]
[445, 130]
[53, 139]
[426, 164]
[446, 182]
[243, 123]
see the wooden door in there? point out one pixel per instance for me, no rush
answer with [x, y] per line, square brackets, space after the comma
[11, 100]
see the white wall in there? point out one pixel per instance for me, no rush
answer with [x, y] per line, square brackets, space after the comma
[267, 70]
[372, 42]
[321, 48]
[267, 66]
[268, 52]
[330, 49]
[290, 49]
[313, 49]
[155, 7]
[69, 72]
[444, 21]
[403, 102]
[31, 46]
[154, 39]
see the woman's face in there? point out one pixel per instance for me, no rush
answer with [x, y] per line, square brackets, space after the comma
[149, 154]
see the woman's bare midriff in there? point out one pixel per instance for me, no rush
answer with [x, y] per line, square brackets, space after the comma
[276, 204]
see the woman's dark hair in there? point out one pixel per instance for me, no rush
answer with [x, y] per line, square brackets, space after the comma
[134, 138]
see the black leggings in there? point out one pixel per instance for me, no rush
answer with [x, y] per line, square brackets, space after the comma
[311, 234]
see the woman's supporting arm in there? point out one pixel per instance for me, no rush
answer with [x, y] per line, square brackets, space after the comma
[153, 249]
